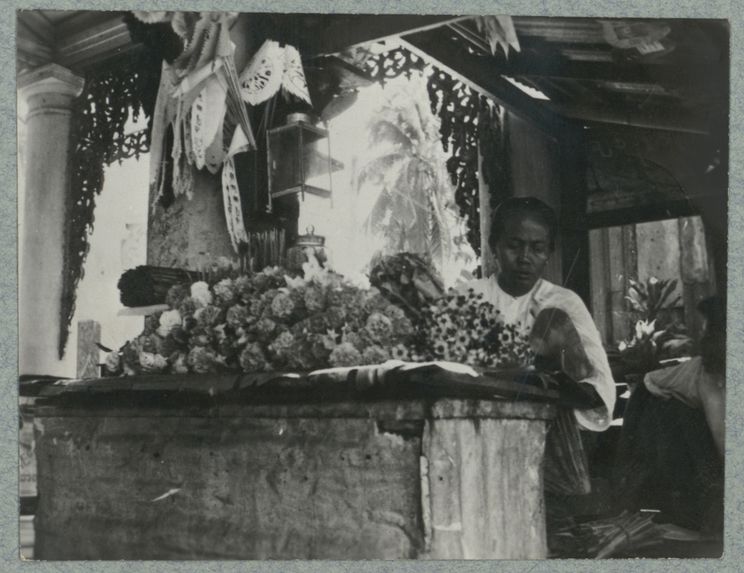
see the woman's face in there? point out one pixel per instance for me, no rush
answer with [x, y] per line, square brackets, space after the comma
[522, 250]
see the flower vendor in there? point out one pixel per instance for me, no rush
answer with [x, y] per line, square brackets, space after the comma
[523, 232]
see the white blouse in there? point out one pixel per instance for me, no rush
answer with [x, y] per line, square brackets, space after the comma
[524, 309]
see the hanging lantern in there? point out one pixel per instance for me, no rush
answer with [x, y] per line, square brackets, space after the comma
[299, 157]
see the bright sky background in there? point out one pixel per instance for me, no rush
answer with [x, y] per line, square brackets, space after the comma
[341, 219]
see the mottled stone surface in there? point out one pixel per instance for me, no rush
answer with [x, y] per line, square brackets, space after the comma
[244, 489]
[89, 334]
[190, 232]
[386, 480]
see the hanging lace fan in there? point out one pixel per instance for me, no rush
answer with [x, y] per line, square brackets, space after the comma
[293, 79]
[262, 78]
[274, 67]
[207, 118]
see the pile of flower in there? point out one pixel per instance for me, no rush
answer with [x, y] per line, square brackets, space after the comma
[267, 321]
[464, 328]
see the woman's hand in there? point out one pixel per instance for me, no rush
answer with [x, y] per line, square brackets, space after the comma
[555, 339]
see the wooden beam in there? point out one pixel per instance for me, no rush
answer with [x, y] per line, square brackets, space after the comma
[541, 59]
[335, 33]
[36, 23]
[668, 119]
[563, 30]
[28, 50]
[470, 69]
[643, 213]
[91, 44]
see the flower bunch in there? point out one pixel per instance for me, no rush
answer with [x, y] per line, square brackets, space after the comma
[657, 333]
[408, 280]
[648, 344]
[266, 321]
[464, 328]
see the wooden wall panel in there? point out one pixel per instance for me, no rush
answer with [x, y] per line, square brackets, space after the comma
[536, 172]
[599, 284]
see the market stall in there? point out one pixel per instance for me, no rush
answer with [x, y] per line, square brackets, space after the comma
[246, 467]
[305, 385]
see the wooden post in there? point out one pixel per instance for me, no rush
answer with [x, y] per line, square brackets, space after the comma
[89, 334]
[694, 269]
[483, 505]
[574, 241]
[617, 269]
[489, 265]
[598, 270]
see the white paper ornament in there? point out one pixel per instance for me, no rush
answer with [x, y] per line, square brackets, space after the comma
[233, 206]
[262, 78]
[293, 80]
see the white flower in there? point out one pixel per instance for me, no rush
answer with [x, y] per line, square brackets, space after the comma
[168, 321]
[644, 327]
[225, 289]
[180, 366]
[113, 361]
[648, 327]
[312, 267]
[152, 362]
[295, 283]
[200, 293]
[622, 346]
[653, 281]
[359, 280]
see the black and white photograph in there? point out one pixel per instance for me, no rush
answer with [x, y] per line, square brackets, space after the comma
[334, 286]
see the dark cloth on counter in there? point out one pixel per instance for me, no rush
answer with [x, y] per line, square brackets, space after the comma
[667, 460]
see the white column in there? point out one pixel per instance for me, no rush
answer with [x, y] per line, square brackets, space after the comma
[49, 92]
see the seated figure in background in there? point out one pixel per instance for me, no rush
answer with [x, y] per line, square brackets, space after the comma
[670, 455]
[700, 382]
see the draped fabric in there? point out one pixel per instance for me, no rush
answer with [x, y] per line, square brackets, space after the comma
[201, 121]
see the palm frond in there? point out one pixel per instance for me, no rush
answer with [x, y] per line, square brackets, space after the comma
[379, 212]
[666, 291]
[379, 170]
[385, 131]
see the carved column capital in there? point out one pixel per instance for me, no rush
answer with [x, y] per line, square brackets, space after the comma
[49, 88]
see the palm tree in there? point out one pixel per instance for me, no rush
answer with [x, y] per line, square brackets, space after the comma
[414, 206]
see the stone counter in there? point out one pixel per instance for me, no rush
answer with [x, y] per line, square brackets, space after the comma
[233, 479]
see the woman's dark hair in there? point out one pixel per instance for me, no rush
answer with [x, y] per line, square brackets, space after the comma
[516, 206]
[713, 341]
